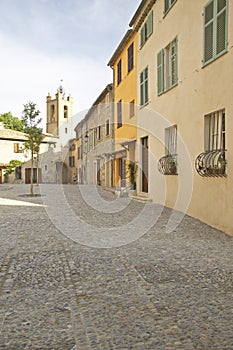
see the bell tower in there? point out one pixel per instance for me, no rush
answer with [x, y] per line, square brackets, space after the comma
[59, 113]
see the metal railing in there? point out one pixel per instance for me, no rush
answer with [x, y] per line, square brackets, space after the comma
[211, 163]
[167, 165]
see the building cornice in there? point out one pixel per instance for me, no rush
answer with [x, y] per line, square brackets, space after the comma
[141, 13]
[120, 47]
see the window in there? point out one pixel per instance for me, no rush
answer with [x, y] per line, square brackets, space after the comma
[72, 147]
[147, 29]
[107, 127]
[167, 165]
[167, 67]
[46, 167]
[168, 4]
[215, 133]
[52, 113]
[215, 29]
[144, 87]
[119, 73]
[132, 109]
[65, 130]
[71, 161]
[94, 137]
[79, 152]
[212, 162]
[171, 140]
[119, 114]
[99, 132]
[65, 112]
[18, 173]
[17, 148]
[130, 57]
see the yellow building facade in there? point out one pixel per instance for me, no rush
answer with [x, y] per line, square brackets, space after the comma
[184, 123]
[124, 65]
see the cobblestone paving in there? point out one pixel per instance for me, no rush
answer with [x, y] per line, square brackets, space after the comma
[162, 291]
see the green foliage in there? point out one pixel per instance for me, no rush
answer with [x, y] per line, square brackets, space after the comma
[132, 167]
[32, 121]
[12, 165]
[11, 122]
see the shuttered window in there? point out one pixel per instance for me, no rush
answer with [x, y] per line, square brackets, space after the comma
[160, 72]
[147, 29]
[168, 4]
[215, 29]
[17, 148]
[119, 114]
[71, 161]
[130, 57]
[107, 130]
[119, 72]
[132, 109]
[167, 67]
[173, 63]
[144, 94]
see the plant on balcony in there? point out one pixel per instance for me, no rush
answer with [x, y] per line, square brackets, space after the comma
[222, 165]
[172, 165]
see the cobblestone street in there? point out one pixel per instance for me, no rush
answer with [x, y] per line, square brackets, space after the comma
[160, 290]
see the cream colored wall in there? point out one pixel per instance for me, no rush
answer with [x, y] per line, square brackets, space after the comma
[104, 146]
[8, 154]
[200, 90]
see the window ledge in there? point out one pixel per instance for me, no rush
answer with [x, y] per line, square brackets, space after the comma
[146, 104]
[205, 64]
[167, 165]
[169, 89]
[165, 13]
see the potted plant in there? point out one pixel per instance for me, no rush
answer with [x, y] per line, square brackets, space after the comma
[215, 169]
[172, 165]
[222, 165]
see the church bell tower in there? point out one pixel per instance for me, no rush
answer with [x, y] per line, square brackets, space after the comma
[59, 113]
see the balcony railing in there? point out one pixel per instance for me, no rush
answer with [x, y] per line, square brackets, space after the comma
[167, 165]
[211, 163]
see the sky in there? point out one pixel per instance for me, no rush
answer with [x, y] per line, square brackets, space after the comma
[44, 41]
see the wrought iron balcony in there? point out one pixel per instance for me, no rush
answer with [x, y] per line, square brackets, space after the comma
[167, 165]
[211, 163]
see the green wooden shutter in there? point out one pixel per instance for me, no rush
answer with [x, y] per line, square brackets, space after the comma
[150, 24]
[166, 6]
[174, 76]
[146, 91]
[209, 31]
[141, 89]
[221, 27]
[160, 72]
[141, 38]
[142, 35]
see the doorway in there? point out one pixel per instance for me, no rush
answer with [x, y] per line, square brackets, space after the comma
[145, 165]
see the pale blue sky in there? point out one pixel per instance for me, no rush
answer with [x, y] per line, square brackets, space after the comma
[43, 41]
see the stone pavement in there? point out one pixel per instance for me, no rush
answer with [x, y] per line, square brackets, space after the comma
[158, 291]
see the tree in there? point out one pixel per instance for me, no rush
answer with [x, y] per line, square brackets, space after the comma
[11, 122]
[31, 121]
